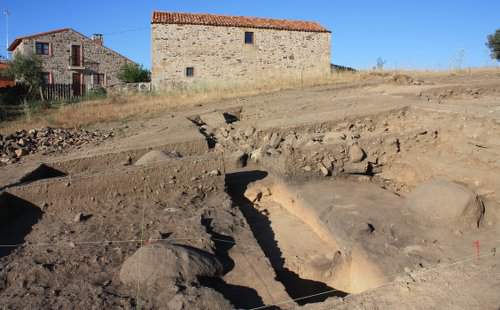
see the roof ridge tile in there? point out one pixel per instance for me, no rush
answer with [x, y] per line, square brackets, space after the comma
[160, 17]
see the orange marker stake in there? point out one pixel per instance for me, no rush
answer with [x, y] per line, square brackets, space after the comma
[476, 243]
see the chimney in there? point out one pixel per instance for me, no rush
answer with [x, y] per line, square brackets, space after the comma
[98, 39]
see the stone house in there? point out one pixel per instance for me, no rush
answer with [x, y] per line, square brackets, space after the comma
[215, 50]
[70, 57]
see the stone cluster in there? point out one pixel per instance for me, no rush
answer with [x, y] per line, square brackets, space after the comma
[48, 140]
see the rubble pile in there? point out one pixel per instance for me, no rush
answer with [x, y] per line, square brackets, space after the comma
[47, 140]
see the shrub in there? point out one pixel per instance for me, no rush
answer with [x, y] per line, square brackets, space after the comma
[27, 70]
[97, 93]
[494, 45]
[134, 73]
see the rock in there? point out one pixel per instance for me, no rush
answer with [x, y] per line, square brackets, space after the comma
[333, 137]
[20, 153]
[161, 264]
[128, 161]
[213, 119]
[257, 155]
[238, 159]
[328, 163]
[356, 154]
[153, 157]
[356, 168]
[307, 168]
[249, 132]
[214, 173]
[275, 140]
[324, 171]
[3, 280]
[446, 202]
[209, 131]
[196, 298]
[48, 140]
[79, 217]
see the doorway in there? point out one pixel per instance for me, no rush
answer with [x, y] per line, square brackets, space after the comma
[77, 84]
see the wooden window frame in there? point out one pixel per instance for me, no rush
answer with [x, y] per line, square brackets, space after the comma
[48, 50]
[49, 78]
[189, 72]
[249, 38]
[71, 54]
[99, 79]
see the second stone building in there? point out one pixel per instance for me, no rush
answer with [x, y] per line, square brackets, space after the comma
[205, 50]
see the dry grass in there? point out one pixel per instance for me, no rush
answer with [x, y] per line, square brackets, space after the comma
[447, 73]
[123, 108]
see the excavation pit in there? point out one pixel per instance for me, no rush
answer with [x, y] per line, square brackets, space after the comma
[326, 211]
[335, 237]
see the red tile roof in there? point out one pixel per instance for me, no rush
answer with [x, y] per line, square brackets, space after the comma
[235, 21]
[18, 40]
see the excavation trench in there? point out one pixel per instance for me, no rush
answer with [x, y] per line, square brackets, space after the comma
[300, 284]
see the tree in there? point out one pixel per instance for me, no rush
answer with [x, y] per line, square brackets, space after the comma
[134, 73]
[27, 70]
[494, 45]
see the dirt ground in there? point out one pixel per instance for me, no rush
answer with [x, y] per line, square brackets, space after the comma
[300, 199]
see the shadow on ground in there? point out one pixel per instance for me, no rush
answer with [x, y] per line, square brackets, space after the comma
[241, 297]
[17, 217]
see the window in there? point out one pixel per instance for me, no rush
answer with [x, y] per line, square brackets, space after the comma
[99, 79]
[190, 71]
[42, 48]
[46, 78]
[76, 55]
[248, 37]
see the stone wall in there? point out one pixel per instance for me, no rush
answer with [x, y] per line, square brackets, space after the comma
[220, 56]
[129, 88]
[96, 58]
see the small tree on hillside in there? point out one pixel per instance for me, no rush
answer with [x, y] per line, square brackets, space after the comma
[133, 73]
[27, 70]
[494, 45]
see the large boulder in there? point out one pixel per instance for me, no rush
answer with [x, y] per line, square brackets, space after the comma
[444, 201]
[154, 157]
[333, 137]
[213, 119]
[198, 298]
[161, 264]
[356, 154]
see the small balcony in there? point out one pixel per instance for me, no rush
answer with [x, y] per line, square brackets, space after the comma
[75, 63]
